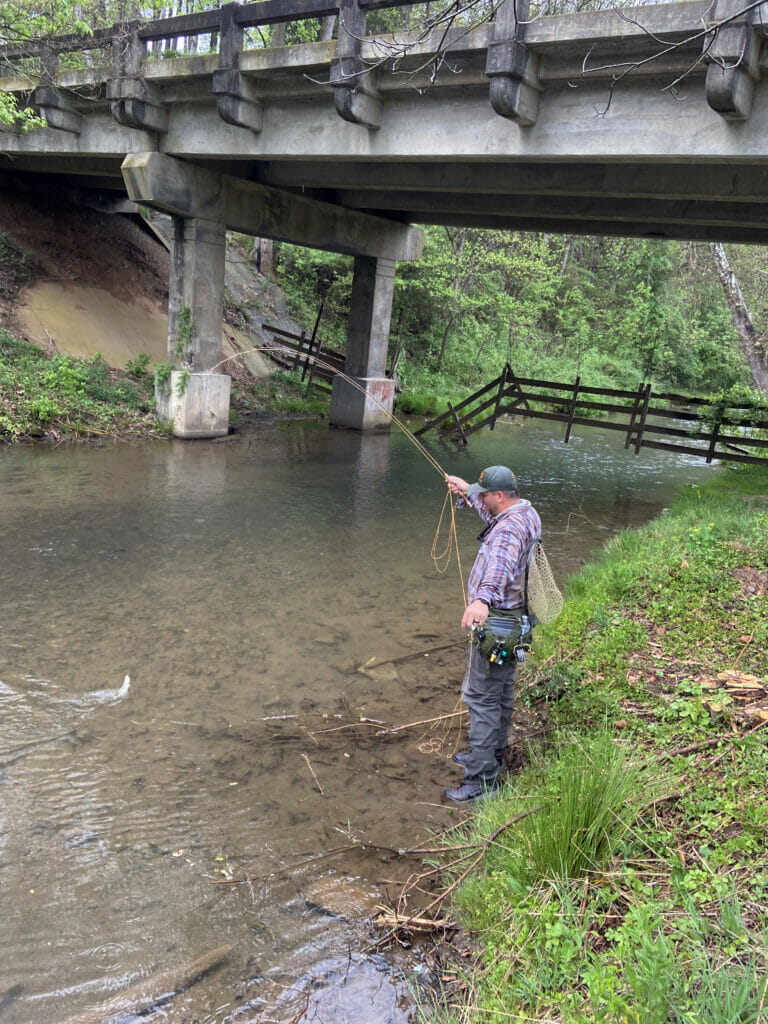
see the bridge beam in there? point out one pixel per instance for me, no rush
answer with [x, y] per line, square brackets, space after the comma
[204, 205]
[190, 191]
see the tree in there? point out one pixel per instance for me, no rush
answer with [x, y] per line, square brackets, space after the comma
[754, 342]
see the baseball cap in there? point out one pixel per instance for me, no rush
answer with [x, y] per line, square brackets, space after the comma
[494, 478]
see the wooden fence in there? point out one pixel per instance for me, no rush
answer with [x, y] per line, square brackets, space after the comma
[702, 427]
[302, 351]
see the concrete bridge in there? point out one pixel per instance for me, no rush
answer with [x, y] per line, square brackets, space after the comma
[649, 121]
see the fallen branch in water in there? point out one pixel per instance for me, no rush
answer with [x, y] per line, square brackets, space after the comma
[312, 771]
[149, 993]
[423, 721]
[27, 748]
[391, 919]
[390, 729]
[413, 654]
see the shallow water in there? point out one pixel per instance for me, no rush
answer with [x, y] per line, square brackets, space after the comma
[241, 584]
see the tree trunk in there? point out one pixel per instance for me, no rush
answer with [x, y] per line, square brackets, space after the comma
[752, 342]
[262, 256]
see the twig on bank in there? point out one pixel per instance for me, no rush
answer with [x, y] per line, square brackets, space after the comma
[729, 749]
[419, 922]
[691, 748]
[484, 847]
[744, 648]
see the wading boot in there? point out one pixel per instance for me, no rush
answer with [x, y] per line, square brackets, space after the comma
[475, 790]
[462, 757]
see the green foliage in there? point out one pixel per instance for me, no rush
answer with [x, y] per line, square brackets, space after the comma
[185, 333]
[614, 311]
[740, 404]
[163, 376]
[138, 368]
[182, 383]
[591, 792]
[40, 393]
[283, 392]
[625, 894]
[16, 267]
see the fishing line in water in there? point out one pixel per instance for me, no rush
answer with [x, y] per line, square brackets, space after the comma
[350, 380]
[442, 559]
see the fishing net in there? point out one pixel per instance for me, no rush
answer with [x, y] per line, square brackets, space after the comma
[544, 600]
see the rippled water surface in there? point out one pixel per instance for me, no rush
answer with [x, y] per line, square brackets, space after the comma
[241, 585]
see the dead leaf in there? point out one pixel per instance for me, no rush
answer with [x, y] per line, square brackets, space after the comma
[741, 680]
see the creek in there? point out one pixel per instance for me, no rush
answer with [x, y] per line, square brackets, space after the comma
[242, 585]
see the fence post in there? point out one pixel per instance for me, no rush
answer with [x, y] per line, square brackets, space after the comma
[458, 423]
[632, 417]
[641, 424]
[713, 439]
[499, 395]
[299, 350]
[576, 386]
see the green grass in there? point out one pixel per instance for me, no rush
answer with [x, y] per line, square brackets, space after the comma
[59, 396]
[62, 396]
[635, 887]
[283, 393]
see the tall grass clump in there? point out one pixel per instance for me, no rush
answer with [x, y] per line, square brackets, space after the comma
[595, 792]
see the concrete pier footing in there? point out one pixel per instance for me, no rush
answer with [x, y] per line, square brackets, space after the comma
[367, 409]
[196, 405]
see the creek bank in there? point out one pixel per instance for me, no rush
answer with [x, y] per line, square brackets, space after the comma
[84, 286]
[661, 649]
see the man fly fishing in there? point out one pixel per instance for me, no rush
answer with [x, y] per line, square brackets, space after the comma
[499, 621]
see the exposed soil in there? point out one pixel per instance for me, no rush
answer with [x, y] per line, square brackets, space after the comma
[80, 281]
[75, 247]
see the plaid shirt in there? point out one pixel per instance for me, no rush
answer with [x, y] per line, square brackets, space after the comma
[497, 575]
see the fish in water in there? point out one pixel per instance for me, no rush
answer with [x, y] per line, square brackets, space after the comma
[109, 696]
[145, 995]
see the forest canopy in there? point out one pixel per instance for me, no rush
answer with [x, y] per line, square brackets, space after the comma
[616, 311]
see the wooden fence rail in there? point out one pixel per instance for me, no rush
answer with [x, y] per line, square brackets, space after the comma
[702, 427]
[294, 351]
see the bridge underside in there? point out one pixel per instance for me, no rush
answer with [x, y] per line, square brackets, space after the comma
[687, 200]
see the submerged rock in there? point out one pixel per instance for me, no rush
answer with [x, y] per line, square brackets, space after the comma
[341, 896]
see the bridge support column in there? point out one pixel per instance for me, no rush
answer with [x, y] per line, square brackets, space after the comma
[368, 405]
[195, 401]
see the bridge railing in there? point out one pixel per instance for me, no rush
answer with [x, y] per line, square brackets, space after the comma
[186, 26]
[724, 37]
[127, 48]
